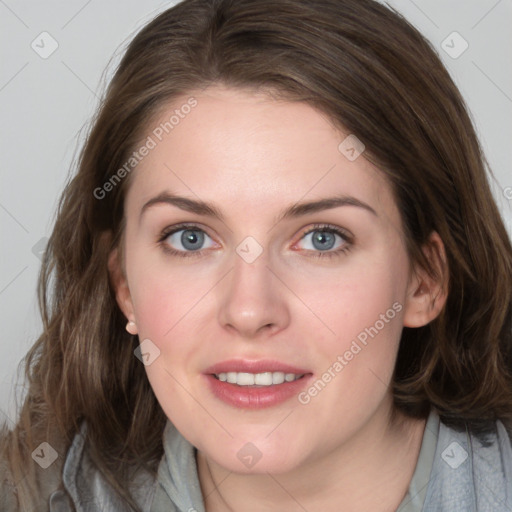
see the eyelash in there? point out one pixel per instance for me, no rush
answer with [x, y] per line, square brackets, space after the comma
[327, 228]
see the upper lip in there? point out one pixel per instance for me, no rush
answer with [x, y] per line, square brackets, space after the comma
[254, 366]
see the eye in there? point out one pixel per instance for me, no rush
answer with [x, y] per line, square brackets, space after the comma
[183, 240]
[191, 240]
[326, 240]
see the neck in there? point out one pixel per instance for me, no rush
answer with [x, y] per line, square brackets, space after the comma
[370, 471]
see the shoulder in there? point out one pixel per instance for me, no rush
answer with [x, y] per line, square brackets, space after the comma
[86, 488]
[470, 471]
[8, 499]
[28, 479]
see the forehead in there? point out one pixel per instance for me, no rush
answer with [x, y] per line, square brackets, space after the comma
[247, 149]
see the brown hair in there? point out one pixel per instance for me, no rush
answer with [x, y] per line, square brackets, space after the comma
[376, 77]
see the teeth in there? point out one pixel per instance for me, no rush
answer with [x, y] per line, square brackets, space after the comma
[257, 379]
[278, 377]
[263, 379]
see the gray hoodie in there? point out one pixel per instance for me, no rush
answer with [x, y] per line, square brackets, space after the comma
[455, 473]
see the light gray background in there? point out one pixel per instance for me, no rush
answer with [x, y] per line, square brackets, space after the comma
[45, 103]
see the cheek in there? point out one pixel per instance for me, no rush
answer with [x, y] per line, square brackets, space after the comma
[163, 293]
[157, 306]
[164, 301]
[356, 360]
[356, 297]
[361, 309]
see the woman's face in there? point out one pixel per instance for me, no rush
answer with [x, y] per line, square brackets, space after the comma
[291, 265]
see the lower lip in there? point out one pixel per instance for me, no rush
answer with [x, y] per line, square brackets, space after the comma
[247, 397]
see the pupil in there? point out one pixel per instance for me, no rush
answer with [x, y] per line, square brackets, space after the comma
[192, 240]
[324, 240]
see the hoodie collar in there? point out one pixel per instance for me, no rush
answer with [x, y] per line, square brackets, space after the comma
[88, 490]
[177, 475]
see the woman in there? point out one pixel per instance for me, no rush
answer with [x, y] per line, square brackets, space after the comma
[278, 280]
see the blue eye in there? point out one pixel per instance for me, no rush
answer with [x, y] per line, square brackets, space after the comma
[190, 240]
[322, 240]
[325, 240]
[186, 239]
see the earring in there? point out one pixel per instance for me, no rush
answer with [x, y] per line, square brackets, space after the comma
[131, 327]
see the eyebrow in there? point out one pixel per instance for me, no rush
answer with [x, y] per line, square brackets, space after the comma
[296, 210]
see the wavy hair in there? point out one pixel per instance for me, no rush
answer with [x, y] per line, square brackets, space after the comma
[375, 76]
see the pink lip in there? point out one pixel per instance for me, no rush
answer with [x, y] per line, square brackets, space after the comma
[246, 397]
[260, 366]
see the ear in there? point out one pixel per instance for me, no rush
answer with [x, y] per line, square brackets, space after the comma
[426, 295]
[120, 286]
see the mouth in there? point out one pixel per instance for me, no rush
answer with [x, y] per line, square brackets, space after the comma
[263, 379]
[259, 384]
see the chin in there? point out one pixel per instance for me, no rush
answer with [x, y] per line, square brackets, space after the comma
[260, 456]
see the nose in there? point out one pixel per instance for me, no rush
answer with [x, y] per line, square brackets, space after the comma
[253, 300]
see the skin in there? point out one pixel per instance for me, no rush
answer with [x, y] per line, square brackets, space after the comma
[252, 156]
